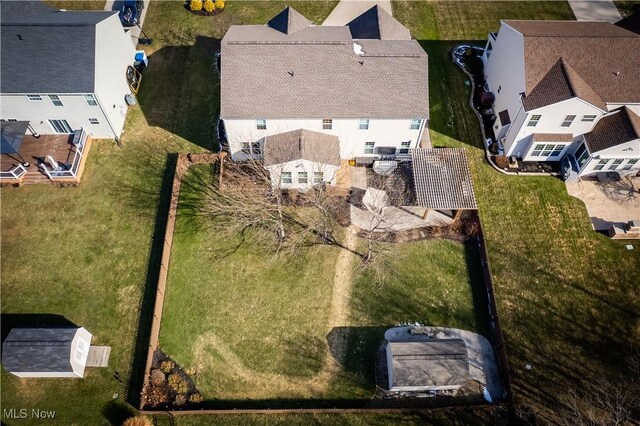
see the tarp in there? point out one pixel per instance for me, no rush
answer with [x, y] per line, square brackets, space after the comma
[12, 135]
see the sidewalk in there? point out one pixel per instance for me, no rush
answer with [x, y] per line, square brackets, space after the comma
[347, 10]
[595, 10]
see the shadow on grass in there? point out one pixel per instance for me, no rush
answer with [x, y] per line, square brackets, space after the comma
[116, 412]
[180, 91]
[10, 321]
[147, 302]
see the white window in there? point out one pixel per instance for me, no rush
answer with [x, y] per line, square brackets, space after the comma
[615, 163]
[251, 148]
[547, 150]
[261, 124]
[56, 100]
[415, 124]
[256, 149]
[567, 121]
[286, 177]
[588, 118]
[369, 147]
[34, 98]
[363, 124]
[630, 164]
[302, 177]
[60, 126]
[91, 100]
[404, 147]
[601, 164]
[533, 121]
[327, 124]
[318, 177]
[94, 121]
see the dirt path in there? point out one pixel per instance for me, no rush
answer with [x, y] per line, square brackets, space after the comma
[272, 383]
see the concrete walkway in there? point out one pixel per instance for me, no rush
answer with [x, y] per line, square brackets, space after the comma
[134, 31]
[608, 203]
[595, 10]
[347, 10]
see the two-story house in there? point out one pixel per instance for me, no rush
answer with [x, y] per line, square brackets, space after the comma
[566, 89]
[364, 84]
[64, 70]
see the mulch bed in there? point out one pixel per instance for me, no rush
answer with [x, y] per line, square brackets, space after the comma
[170, 387]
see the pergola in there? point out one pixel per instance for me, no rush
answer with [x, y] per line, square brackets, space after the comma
[442, 179]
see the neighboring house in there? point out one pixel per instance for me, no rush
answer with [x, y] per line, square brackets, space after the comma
[427, 366]
[46, 352]
[566, 91]
[64, 70]
[365, 84]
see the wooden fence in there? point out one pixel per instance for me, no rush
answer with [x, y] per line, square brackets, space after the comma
[182, 165]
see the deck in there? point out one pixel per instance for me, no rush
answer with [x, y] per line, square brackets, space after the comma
[35, 150]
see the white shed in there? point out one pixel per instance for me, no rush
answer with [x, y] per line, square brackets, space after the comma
[46, 352]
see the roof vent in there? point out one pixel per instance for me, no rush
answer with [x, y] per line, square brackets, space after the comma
[19, 37]
[290, 73]
[617, 73]
[357, 49]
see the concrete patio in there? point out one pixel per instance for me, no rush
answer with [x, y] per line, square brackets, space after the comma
[608, 203]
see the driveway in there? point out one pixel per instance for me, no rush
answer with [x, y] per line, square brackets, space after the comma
[347, 10]
[134, 31]
[595, 10]
[608, 203]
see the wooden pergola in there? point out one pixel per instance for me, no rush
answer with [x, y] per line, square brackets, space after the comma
[442, 179]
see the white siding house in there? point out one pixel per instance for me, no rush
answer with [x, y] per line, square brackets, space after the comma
[555, 83]
[365, 84]
[65, 70]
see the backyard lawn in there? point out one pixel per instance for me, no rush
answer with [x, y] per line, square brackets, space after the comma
[249, 325]
[567, 296]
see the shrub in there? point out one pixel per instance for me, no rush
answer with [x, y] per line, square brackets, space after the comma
[195, 5]
[209, 6]
[219, 4]
[196, 398]
[180, 400]
[137, 421]
[167, 365]
[157, 377]
[178, 383]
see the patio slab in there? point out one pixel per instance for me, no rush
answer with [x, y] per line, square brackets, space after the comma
[608, 203]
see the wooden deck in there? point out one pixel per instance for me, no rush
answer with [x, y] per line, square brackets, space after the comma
[35, 150]
[98, 356]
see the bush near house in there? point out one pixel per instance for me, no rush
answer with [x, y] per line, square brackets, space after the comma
[195, 5]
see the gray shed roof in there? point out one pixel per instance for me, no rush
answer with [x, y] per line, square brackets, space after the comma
[442, 179]
[439, 362]
[49, 52]
[301, 144]
[38, 349]
[315, 73]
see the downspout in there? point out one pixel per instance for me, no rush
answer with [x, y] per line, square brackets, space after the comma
[108, 121]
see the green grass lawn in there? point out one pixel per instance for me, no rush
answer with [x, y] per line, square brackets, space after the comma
[77, 4]
[251, 325]
[567, 296]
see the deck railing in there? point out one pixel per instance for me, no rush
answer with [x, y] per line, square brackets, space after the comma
[15, 173]
[79, 141]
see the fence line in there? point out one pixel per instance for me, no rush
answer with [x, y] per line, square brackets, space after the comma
[182, 165]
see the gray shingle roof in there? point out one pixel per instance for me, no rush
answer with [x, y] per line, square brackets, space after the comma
[38, 349]
[51, 52]
[597, 58]
[315, 73]
[288, 21]
[376, 23]
[619, 127]
[301, 144]
[431, 363]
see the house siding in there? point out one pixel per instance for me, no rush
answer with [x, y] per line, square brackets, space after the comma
[384, 132]
[330, 173]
